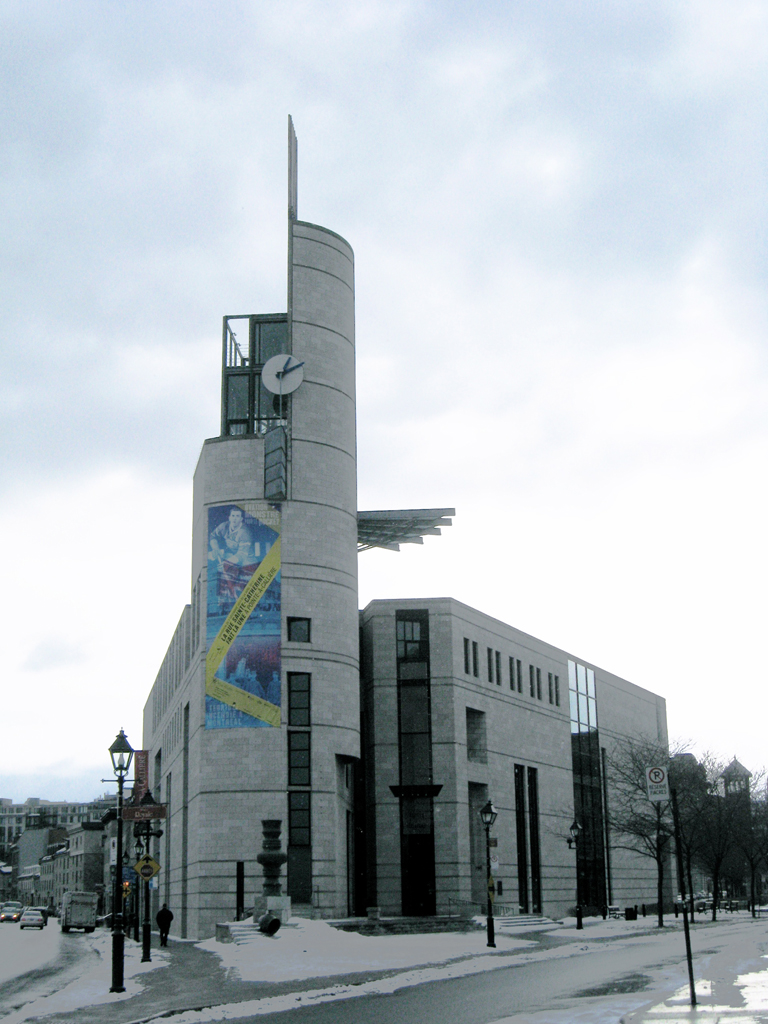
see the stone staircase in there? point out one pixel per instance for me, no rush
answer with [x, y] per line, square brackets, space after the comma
[524, 923]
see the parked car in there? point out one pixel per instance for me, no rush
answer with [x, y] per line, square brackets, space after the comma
[11, 912]
[32, 918]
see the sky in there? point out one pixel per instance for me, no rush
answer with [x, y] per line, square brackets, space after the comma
[558, 213]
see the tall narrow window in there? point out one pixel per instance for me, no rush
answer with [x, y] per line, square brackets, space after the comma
[477, 744]
[466, 656]
[299, 847]
[551, 682]
[538, 684]
[522, 844]
[498, 668]
[298, 698]
[532, 680]
[298, 759]
[511, 673]
[533, 820]
[475, 660]
[557, 691]
[490, 665]
[519, 676]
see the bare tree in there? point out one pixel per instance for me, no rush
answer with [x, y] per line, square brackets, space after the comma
[645, 827]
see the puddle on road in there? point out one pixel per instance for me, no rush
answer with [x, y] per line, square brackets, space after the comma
[620, 986]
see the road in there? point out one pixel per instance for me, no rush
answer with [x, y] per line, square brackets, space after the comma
[624, 974]
[35, 963]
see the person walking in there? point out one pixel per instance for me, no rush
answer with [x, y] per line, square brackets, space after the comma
[164, 918]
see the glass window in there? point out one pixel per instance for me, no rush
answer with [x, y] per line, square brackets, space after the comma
[572, 675]
[477, 744]
[299, 630]
[298, 819]
[557, 691]
[466, 656]
[538, 684]
[591, 682]
[298, 698]
[490, 665]
[498, 668]
[592, 712]
[519, 676]
[237, 396]
[551, 687]
[475, 665]
[532, 680]
[273, 339]
[581, 679]
[298, 759]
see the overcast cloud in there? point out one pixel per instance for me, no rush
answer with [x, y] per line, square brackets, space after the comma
[558, 212]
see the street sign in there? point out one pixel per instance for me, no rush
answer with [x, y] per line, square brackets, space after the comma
[144, 812]
[146, 867]
[491, 889]
[657, 783]
[493, 841]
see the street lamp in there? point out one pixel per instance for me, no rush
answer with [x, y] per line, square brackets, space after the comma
[121, 753]
[488, 815]
[573, 842]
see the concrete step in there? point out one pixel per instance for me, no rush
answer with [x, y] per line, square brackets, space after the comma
[524, 922]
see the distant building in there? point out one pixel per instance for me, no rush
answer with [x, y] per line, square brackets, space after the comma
[39, 820]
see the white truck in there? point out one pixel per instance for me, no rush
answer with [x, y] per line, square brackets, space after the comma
[78, 910]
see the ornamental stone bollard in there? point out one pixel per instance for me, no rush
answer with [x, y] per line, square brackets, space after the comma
[272, 859]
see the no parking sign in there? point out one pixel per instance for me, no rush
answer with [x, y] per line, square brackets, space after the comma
[657, 783]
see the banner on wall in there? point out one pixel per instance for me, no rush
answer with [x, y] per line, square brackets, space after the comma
[242, 665]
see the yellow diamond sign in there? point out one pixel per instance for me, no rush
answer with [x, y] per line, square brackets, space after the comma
[146, 867]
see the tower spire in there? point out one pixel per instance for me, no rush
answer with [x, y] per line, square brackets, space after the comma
[293, 171]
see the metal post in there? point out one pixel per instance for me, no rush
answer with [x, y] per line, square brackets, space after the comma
[681, 873]
[489, 922]
[146, 934]
[118, 939]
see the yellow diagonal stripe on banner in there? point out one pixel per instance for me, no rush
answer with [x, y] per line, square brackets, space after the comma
[254, 590]
[254, 706]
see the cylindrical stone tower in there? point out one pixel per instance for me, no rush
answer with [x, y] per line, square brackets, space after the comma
[255, 712]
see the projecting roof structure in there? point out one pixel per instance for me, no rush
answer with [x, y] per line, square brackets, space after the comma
[392, 527]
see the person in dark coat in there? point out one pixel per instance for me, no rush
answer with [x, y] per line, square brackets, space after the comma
[164, 918]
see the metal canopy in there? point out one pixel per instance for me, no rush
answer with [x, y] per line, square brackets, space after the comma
[392, 527]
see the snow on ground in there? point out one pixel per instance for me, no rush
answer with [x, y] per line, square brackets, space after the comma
[313, 949]
[91, 987]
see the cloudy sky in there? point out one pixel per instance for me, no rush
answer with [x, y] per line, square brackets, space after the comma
[558, 212]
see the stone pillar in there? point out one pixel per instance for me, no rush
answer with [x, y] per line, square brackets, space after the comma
[272, 859]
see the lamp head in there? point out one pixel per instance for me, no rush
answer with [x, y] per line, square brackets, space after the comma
[488, 814]
[121, 753]
[575, 829]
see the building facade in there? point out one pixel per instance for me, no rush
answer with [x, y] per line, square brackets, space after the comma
[459, 708]
[256, 711]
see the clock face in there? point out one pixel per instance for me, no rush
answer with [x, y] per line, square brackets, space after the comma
[282, 374]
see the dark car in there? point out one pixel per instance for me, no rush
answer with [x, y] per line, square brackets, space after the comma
[11, 912]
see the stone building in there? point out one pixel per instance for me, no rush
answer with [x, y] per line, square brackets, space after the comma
[256, 710]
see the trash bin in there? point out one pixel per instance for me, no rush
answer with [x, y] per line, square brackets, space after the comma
[630, 913]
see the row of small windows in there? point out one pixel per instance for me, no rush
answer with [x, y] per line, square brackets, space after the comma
[493, 661]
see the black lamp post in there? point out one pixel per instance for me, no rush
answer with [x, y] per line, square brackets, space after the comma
[121, 753]
[573, 842]
[144, 832]
[488, 815]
